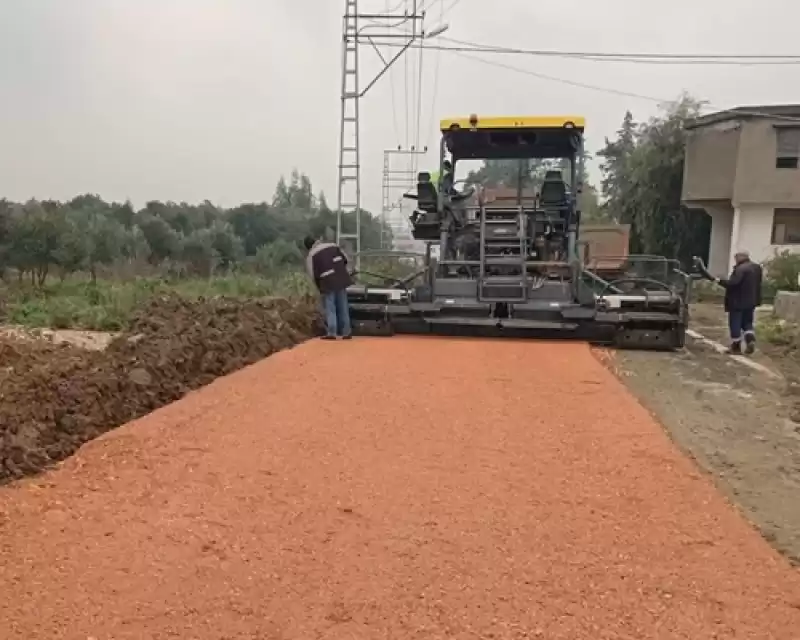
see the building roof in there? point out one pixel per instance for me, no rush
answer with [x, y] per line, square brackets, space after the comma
[770, 111]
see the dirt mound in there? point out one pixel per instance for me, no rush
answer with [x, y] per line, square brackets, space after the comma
[20, 354]
[57, 397]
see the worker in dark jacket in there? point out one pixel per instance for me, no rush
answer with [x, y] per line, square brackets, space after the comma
[327, 266]
[742, 296]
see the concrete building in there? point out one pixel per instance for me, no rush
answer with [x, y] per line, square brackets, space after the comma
[743, 169]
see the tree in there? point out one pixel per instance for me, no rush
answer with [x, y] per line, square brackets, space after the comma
[163, 240]
[105, 240]
[643, 175]
[86, 233]
[34, 236]
[198, 253]
[254, 224]
[134, 245]
[228, 247]
[282, 197]
[73, 247]
[616, 156]
[6, 208]
[124, 214]
[276, 256]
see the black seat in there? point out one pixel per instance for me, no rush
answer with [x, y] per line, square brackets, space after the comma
[427, 198]
[425, 220]
[554, 191]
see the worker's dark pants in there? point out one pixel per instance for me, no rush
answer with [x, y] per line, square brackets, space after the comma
[337, 313]
[740, 322]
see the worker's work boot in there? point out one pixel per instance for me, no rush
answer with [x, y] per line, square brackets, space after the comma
[735, 348]
[749, 343]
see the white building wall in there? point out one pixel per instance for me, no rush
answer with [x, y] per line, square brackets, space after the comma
[720, 247]
[755, 233]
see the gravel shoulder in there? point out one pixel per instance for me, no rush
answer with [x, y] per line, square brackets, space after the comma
[524, 494]
[740, 424]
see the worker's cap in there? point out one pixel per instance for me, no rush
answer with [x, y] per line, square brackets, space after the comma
[743, 253]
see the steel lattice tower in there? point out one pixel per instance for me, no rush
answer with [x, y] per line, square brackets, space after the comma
[349, 185]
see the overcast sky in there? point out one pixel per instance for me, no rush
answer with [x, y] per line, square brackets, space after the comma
[215, 99]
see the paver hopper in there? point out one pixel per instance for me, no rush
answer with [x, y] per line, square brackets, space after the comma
[517, 265]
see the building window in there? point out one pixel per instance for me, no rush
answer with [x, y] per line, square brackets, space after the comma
[788, 156]
[786, 226]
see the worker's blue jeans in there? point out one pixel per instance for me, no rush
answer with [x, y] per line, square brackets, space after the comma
[741, 321]
[337, 313]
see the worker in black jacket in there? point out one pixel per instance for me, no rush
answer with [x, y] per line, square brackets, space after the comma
[327, 266]
[742, 296]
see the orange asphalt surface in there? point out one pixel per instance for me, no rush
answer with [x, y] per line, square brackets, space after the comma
[390, 488]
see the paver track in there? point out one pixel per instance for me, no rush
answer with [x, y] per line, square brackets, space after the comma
[354, 491]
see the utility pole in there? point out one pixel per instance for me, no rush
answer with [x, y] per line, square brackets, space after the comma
[379, 26]
[394, 179]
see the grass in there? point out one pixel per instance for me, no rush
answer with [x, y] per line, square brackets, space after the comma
[108, 305]
[778, 332]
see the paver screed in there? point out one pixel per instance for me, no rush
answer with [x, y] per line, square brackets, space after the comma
[390, 488]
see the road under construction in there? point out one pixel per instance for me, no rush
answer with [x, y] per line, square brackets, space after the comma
[525, 494]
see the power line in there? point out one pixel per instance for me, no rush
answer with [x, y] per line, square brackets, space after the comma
[418, 125]
[627, 94]
[627, 55]
[572, 83]
[629, 60]
[406, 92]
[392, 85]
[583, 85]
[437, 63]
[650, 59]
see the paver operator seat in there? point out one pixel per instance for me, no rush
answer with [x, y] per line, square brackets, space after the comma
[554, 191]
[425, 219]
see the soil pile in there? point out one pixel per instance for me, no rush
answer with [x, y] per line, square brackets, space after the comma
[54, 397]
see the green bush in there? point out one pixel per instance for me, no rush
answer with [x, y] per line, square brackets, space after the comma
[782, 271]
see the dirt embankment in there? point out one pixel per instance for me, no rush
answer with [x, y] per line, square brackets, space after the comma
[55, 397]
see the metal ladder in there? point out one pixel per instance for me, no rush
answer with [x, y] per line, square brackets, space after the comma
[504, 245]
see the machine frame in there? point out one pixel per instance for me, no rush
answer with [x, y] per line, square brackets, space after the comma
[527, 277]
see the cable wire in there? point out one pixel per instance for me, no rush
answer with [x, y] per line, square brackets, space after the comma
[572, 83]
[418, 125]
[406, 92]
[626, 55]
[674, 62]
[430, 131]
[395, 121]
[627, 94]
